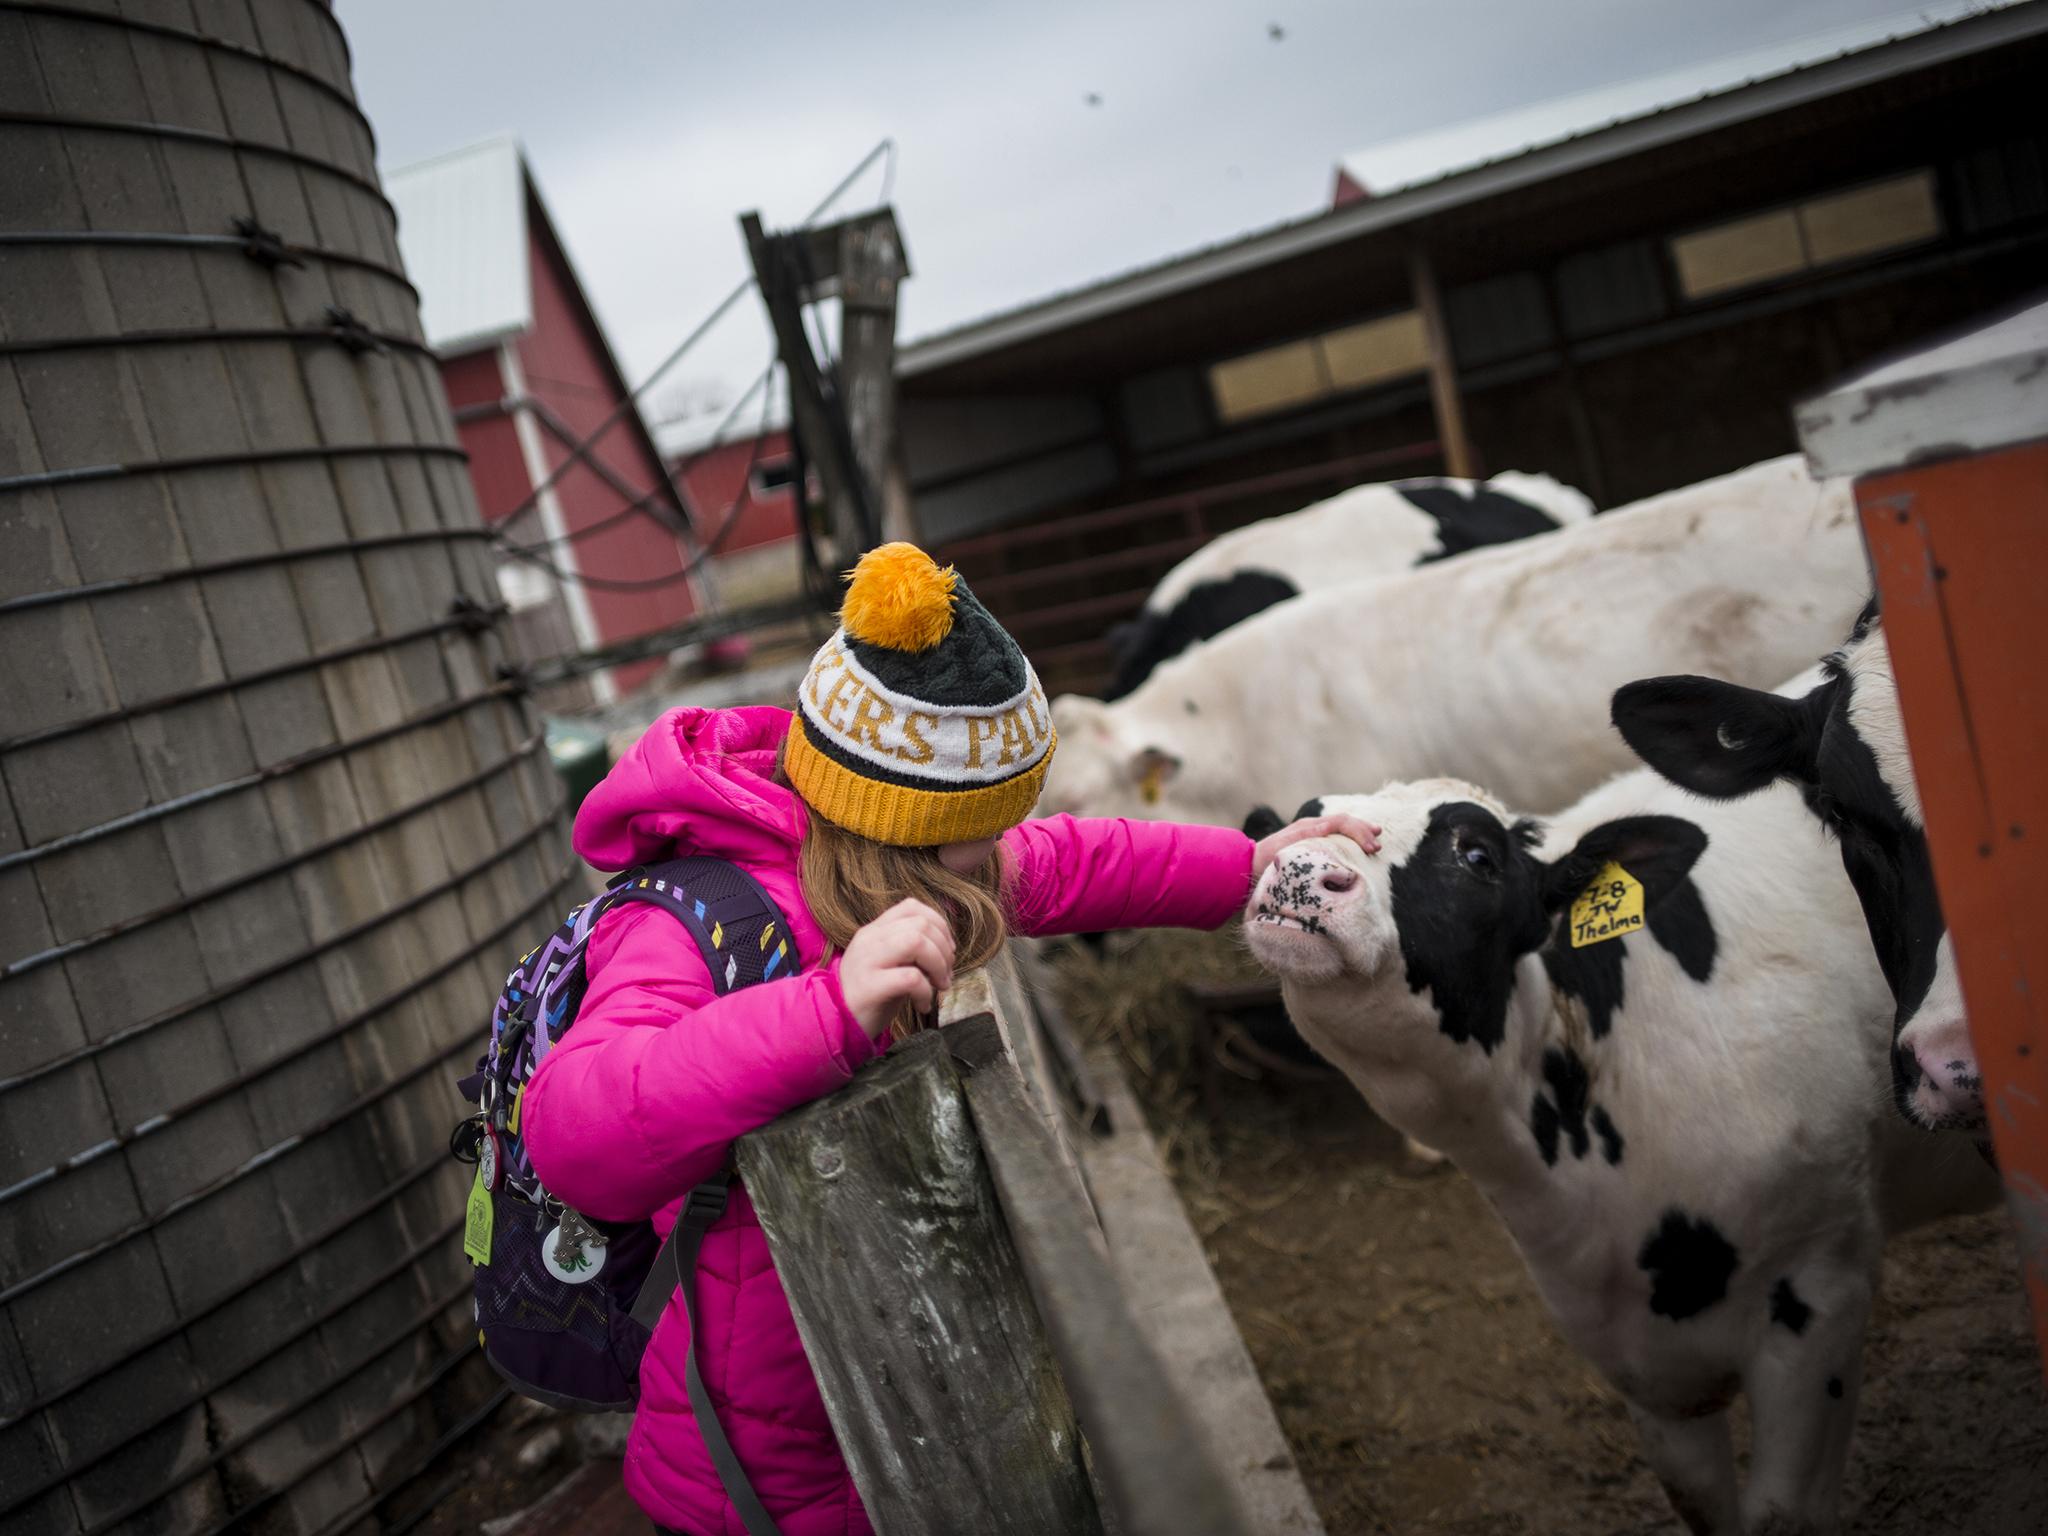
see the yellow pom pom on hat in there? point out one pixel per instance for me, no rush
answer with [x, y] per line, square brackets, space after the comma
[899, 598]
[920, 721]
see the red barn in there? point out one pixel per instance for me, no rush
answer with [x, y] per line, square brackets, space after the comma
[752, 479]
[529, 374]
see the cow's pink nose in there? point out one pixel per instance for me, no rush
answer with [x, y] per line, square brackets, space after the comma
[1337, 879]
[1947, 1059]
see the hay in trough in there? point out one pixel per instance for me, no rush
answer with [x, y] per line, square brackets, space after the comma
[1131, 994]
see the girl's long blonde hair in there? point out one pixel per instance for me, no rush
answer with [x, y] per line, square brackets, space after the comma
[850, 880]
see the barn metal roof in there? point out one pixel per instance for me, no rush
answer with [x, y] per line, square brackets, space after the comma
[1397, 164]
[462, 232]
[1571, 145]
[715, 427]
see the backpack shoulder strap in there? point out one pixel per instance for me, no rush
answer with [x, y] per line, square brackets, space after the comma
[741, 933]
[678, 1257]
[745, 940]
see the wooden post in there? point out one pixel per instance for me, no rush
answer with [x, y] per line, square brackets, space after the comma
[871, 265]
[822, 436]
[848, 431]
[914, 1308]
[1459, 458]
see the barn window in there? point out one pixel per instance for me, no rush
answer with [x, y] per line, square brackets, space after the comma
[1163, 410]
[771, 477]
[1871, 219]
[1739, 254]
[1269, 381]
[1379, 350]
[2003, 183]
[1354, 357]
[1611, 287]
[1497, 317]
[1883, 216]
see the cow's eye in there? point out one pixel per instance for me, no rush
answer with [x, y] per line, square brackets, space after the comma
[1824, 807]
[1476, 857]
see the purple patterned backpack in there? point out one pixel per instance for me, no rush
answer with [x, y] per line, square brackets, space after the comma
[565, 1305]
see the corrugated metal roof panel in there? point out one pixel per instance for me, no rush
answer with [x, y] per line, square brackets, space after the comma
[462, 231]
[1423, 157]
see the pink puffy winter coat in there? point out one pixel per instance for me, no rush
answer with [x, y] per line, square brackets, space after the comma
[645, 1094]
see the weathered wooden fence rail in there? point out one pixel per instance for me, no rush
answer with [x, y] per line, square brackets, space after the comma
[913, 1305]
[959, 1304]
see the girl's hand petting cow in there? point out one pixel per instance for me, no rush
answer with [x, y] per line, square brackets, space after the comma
[1267, 849]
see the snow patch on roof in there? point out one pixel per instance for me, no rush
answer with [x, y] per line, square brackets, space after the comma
[693, 435]
[462, 232]
[710, 424]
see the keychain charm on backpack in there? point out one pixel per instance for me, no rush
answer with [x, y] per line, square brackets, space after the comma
[487, 1164]
[574, 1251]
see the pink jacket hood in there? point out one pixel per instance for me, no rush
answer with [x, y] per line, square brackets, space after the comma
[701, 778]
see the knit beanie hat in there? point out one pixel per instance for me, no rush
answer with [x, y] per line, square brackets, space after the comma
[919, 722]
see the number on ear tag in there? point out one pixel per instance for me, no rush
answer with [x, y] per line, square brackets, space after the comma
[1608, 908]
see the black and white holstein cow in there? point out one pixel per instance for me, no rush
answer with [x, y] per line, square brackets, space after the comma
[1844, 744]
[1467, 666]
[1653, 1033]
[1369, 530]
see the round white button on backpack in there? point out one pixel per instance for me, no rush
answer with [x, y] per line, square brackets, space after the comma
[581, 1264]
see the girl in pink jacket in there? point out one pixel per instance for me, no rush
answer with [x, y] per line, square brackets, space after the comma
[886, 819]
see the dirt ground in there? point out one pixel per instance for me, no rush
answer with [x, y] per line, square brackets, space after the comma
[1417, 1374]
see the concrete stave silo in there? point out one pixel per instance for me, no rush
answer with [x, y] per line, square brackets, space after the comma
[272, 822]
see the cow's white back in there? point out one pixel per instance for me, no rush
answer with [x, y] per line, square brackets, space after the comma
[1367, 531]
[1464, 667]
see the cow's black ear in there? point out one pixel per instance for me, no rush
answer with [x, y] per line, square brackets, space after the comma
[1658, 850]
[1262, 823]
[1719, 739]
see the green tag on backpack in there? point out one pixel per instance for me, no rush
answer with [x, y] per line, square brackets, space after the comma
[476, 1230]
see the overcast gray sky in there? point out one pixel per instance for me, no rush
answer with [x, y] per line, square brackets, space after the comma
[651, 124]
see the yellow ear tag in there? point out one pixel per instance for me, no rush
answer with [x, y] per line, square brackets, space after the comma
[1148, 786]
[476, 1228]
[1608, 908]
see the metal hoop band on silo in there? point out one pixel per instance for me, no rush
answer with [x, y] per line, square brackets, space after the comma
[273, 824]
